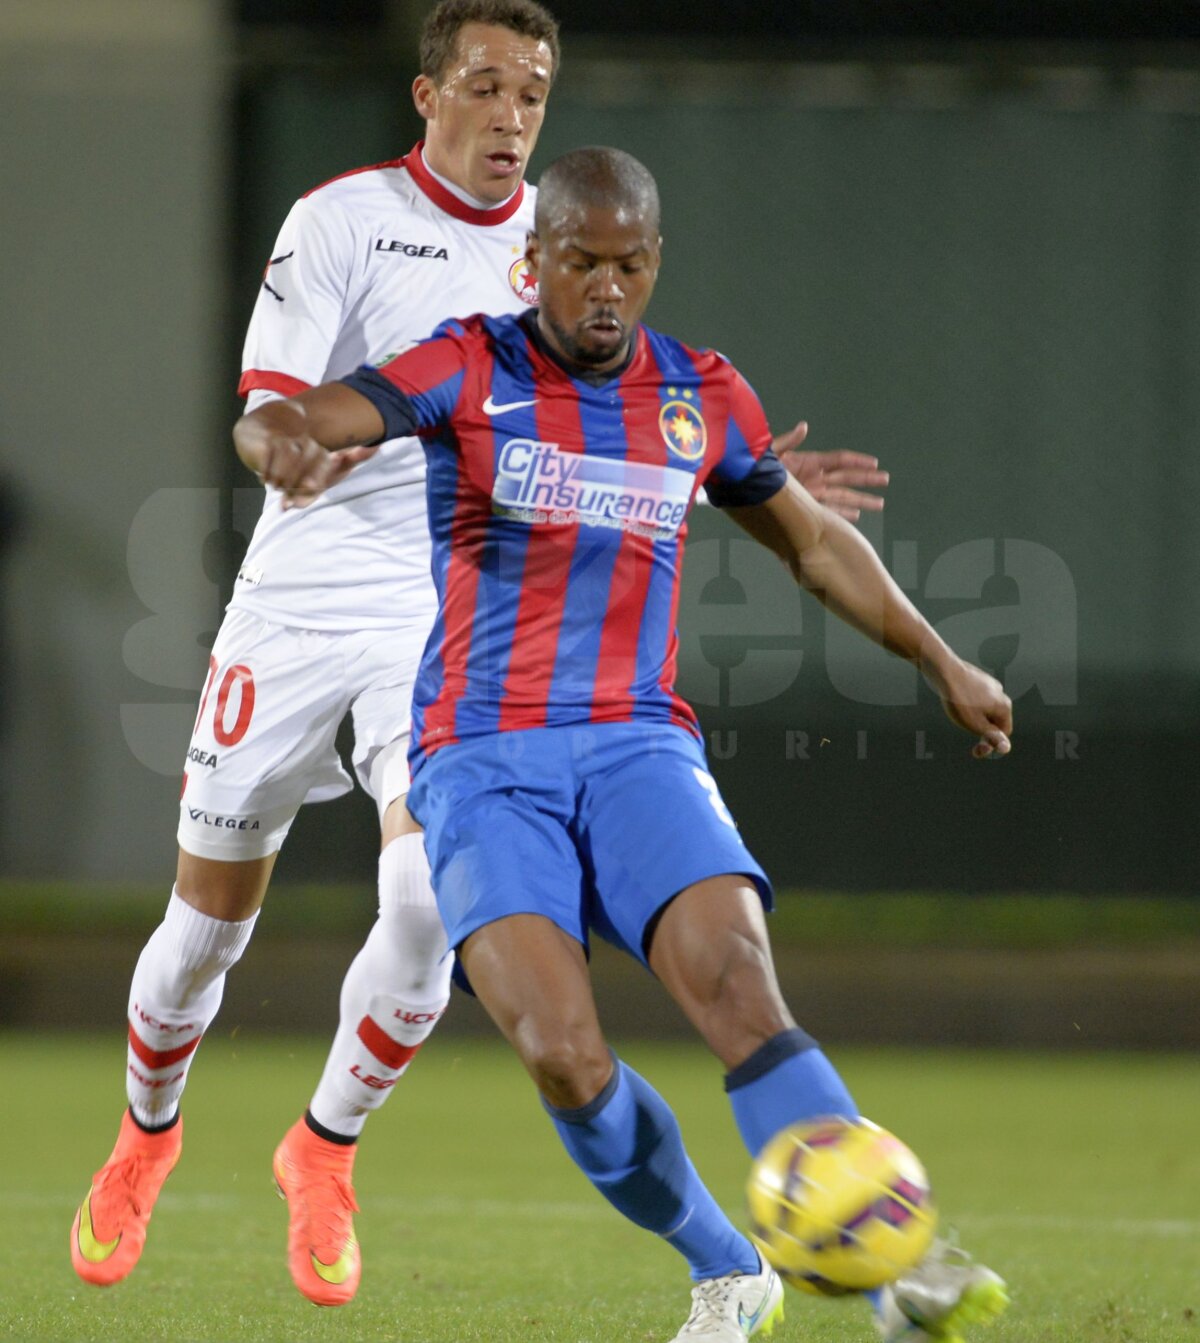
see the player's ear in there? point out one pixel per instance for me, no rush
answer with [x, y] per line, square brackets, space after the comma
[533, 249]
[424, 96]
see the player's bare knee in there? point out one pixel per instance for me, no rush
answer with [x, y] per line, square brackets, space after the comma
[569, 1065]
[223, 890]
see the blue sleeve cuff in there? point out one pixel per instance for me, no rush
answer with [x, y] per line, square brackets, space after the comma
[762, 482]
[399, 414]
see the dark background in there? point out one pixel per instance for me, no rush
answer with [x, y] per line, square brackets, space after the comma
[963, 237]
[942, 198]
[1072, 20]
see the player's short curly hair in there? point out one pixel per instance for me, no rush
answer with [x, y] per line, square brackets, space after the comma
[439, 34]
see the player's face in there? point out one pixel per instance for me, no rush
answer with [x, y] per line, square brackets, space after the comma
[596, 271]
[483, 118]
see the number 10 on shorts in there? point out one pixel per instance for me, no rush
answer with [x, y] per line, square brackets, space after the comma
[238, 675]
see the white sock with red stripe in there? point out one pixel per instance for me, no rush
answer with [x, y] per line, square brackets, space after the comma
[393, 994]
[176, 990]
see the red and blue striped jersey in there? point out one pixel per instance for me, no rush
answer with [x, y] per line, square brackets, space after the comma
[557, 506]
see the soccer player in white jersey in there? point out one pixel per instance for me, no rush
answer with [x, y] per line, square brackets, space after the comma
[329, 616]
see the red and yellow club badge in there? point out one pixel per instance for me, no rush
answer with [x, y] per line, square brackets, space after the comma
[524, 285]
[683, 428]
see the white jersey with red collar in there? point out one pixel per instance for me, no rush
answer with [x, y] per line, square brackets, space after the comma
[364, 265]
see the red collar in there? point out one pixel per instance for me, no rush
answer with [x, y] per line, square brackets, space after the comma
[449, 202]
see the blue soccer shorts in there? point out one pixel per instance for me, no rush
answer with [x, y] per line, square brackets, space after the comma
[596, 827]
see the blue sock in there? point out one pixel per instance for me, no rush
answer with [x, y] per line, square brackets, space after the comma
[786, 1081]
[627, 1142]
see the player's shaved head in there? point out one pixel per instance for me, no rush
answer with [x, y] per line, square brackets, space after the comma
[595, 251]
[596, 177]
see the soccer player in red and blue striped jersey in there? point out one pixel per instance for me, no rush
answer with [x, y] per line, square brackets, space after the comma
[559, 777]
[557, 507]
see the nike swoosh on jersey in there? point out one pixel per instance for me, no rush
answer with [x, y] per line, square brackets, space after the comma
[337, 1272]
[93, 1250]
[491, 408]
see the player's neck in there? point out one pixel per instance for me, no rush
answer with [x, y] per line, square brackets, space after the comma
[457, 192]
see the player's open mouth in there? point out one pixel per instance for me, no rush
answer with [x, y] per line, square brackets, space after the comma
[504, 162]
[604, 333]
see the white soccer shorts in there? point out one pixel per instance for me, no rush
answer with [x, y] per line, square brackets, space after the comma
[264, 739]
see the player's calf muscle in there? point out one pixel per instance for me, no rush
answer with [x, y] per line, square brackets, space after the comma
[723, 977]
[744, 1013]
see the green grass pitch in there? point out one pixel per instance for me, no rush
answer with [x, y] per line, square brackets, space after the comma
[1077, 1176]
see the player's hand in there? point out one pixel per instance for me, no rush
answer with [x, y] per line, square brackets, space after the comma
[835, 479]
[301, 469]
[976, 702]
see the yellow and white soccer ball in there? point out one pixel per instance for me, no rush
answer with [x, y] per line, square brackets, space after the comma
[840, 1205]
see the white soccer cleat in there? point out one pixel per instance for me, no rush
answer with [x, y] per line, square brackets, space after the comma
[733, 1308]
[946, 1292]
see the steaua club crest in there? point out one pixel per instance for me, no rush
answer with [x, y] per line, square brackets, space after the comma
[522, 280]
[683, 429]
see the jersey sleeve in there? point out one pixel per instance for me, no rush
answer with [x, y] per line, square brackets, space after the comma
[418, 389]
[300, 303]
[747, 472]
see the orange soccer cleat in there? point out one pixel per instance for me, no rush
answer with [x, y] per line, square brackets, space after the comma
[314, 1176]
[109, 1231]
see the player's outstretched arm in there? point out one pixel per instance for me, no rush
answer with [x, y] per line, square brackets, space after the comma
[829, 558]
[307, 443]
[839, 479]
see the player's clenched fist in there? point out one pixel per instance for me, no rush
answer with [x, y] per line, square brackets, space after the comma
[275, 442]
[301, 469]
[974, 701]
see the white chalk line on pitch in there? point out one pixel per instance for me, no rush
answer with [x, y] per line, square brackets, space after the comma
[1165, 1228]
